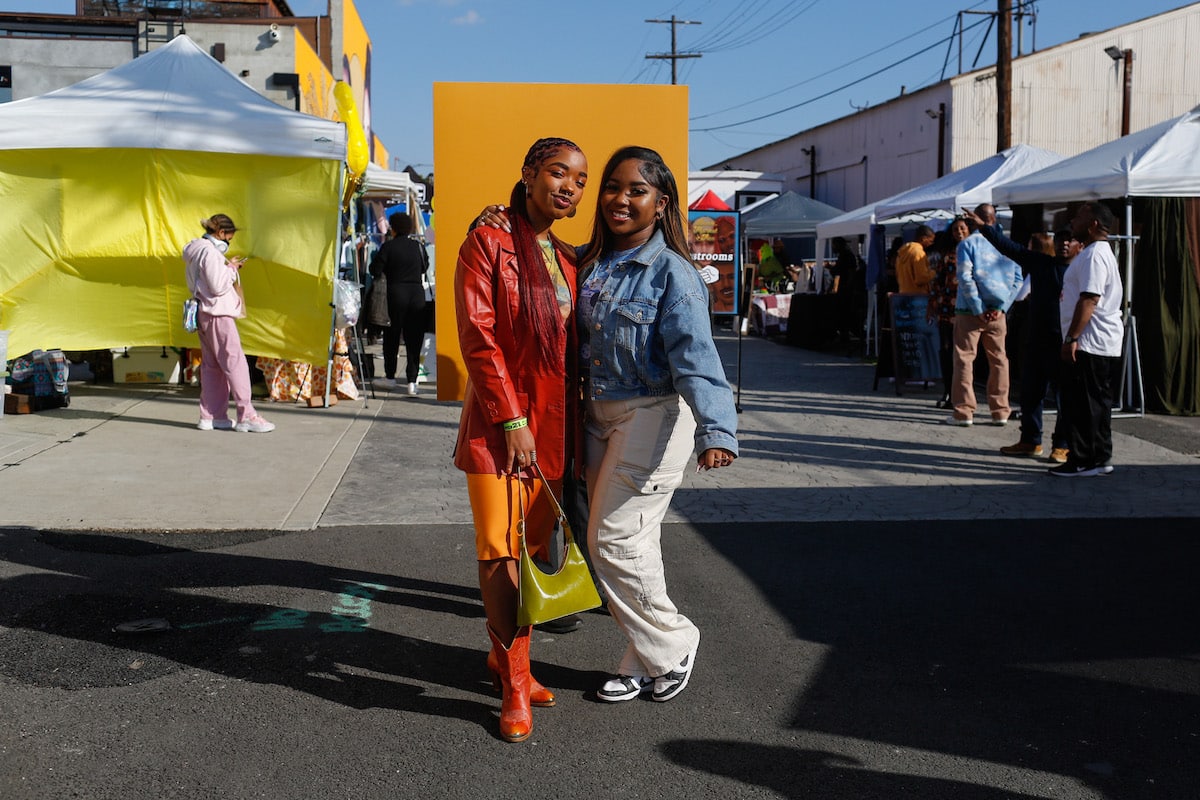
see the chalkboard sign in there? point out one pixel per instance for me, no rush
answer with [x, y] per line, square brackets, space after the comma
[915, 340]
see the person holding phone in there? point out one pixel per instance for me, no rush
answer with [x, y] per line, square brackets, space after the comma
[214, 281]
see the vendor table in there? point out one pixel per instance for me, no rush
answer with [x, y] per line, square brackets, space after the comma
[812, 319]
[769, 313]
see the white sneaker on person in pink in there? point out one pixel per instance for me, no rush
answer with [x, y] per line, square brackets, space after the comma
[255, 424]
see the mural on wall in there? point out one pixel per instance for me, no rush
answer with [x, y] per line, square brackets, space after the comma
[317, 82]
[356, 67]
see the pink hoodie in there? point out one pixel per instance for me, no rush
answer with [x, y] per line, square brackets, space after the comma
[212, 280]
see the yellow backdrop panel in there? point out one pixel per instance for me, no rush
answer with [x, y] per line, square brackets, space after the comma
[92, 259]
[481, 133]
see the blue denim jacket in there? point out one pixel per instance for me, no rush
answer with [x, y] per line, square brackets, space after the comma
[651, 335]
[987, 280]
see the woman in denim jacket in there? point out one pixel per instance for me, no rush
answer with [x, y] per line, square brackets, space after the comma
[654, 392]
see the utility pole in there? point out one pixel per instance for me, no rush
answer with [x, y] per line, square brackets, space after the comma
[674, 55]
[1004, 76]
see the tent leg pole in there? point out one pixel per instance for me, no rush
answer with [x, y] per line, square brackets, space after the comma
[358, 350]
[329, 359]
[1128, 257]
[737, 404]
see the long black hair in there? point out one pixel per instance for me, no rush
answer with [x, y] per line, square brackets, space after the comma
[657, 174]
[539, 297]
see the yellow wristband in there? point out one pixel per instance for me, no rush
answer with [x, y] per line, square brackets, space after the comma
[516, 424]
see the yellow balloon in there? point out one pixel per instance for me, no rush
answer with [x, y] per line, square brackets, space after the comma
[356, 138]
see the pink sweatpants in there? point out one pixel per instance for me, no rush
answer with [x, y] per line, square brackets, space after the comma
[223, 369]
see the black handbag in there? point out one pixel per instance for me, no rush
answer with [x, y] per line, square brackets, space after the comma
[377, 305]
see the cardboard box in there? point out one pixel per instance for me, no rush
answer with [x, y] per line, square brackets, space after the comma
[17, 404]
[145, 365]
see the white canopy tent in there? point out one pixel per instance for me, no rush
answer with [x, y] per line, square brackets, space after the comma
[1160, 161]
[174, 98]
[395, 187]
[941, 198]
[858, 222]
[380, 182]
[969, 186]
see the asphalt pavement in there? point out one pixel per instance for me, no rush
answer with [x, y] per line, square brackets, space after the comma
[890, 609]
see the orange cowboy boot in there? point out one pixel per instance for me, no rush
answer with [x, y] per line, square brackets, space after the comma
[516, 718]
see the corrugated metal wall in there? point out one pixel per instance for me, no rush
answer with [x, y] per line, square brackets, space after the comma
[858, 158]
[1066, 98]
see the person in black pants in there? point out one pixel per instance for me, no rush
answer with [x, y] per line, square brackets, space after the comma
[846, 272]
[1043, 339]
[403, 260]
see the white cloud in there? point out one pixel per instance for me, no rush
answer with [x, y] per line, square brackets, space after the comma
[470, 18]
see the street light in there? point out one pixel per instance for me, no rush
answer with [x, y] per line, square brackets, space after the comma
[1125, 56]
[811, 152]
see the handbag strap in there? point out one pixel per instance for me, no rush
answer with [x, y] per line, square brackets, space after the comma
[568, 537]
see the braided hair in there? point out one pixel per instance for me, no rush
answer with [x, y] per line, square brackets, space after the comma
[539, 297]
[217, 223]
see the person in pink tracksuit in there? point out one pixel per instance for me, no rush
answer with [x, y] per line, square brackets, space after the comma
[213, 281]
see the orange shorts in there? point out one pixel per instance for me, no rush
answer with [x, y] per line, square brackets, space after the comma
[496, 503]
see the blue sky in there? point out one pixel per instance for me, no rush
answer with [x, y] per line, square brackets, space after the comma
[820, 58]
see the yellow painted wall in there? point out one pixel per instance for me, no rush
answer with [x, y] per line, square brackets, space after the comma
[356, 66]
[380, 156]
[316, 82]
[481, 134]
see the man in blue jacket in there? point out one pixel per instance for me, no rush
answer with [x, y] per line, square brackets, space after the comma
[987, 284]
[1043, 340]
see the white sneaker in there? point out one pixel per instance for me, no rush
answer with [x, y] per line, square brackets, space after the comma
[623, 687]
[412, 390]
[218, 424]
[385, 383]
[959, 421]
[255, 424]
[675, 681]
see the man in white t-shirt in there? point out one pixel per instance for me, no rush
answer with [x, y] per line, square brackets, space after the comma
[1093, 335]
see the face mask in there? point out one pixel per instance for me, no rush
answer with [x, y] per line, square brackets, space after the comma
[221, 245]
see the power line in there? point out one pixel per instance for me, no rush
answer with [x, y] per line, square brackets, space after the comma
[830, 92]
[755, 33]
[838, 68]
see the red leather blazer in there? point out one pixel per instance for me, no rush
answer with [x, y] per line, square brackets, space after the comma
[501, 384]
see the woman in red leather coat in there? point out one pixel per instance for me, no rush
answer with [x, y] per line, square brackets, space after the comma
[514, 294]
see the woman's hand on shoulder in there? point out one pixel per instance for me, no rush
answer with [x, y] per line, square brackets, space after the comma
[494, 216]
[714, 458]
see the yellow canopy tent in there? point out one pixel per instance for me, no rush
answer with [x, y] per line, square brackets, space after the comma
[104, 182]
